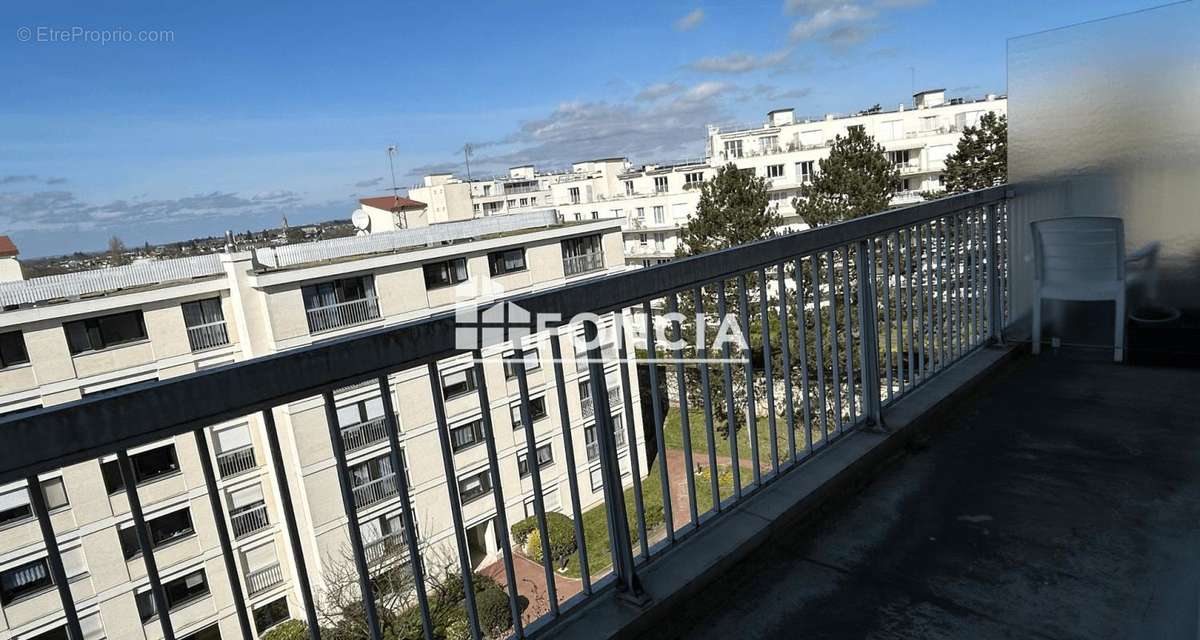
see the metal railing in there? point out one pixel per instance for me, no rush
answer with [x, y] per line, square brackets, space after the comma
[231, 463]
[589, 408]
[260, 580]
[389, 549]
[866, 311]
[208, 336]
[248, 520]
[364, 434]
[583, 263]
[377, 490]
[342, 314]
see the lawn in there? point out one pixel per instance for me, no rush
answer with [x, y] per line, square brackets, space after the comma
[673, 436]
[595, 524]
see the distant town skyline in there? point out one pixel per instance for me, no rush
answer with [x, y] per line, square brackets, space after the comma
[230, 117]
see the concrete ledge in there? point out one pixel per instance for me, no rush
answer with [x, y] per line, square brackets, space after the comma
[796, 498]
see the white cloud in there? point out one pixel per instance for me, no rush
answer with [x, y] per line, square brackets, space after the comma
[373, 182]
[690, 21]
[658, 90]
[741, 62]
[829, 18]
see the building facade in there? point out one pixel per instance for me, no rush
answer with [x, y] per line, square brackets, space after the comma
[68, 339]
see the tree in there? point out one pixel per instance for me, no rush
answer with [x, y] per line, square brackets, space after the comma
[981, 158]
[855, 180]
[116, 252]
[734, 209]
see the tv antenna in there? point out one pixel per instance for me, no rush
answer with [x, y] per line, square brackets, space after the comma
[391, 154]
[467, 149]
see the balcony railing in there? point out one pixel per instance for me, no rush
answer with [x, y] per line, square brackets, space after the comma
[208, 336]
[231, 463]
[373, 491]
[363, 434]
[260, 580]
[390, 549]
[583, 263]
[342, 314]
[248, 520]
[614, 399]
[887, 300]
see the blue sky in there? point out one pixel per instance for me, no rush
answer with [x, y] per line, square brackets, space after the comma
[256, 110]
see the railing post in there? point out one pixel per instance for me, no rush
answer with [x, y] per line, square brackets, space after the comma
[614, 497]
[868, 324]
[37, 502]
[995, 321]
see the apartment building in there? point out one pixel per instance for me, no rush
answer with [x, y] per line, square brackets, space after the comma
[655, 201]
[69, 337]
[787, 151]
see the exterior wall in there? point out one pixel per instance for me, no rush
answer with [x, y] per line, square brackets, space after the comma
[264, 313]
[10, 270]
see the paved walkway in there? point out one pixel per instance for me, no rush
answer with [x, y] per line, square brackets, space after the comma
[531, 583]
[1063, 502]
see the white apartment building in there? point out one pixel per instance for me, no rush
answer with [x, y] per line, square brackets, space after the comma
[78, 335]
[787, 151]
[655, 201]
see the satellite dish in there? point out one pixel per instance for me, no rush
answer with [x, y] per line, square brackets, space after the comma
[360, 220]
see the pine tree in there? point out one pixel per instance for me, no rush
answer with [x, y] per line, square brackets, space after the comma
[981, 158]
[855, 180]
[734, 209]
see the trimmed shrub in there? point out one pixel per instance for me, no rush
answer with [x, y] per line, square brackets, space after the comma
[458, 630]
[289, 630]
[561, 531]
[494, 613]
[522, 529]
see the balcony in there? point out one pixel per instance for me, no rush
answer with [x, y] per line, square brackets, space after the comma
[364, 434]
[374, 491]
[614, 400]
[342, 314]
[261, 580]
[235, 462]
[387, 550]
[247, 520]
[583, 263]
[207, 336]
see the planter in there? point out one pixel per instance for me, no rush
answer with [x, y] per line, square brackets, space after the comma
[1154, 316]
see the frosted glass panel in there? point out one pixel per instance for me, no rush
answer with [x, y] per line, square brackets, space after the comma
[1105, 121]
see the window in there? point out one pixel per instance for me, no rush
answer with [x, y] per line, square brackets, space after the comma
[360, 412]
[550, 500]
[524, 202]
[446, 273]
[474, 486]
[774, 171]
[768, 144]
[581, 255]
[660, 184]
[341, 302]
[596, 478]
[24, 579]
[205, 324]
[466, 435]
[178, 592]
[147, 465]
[55, 493]
[491, 207]
[693, 179]
[487, 189]
[641, 213]
[595, 215]
[162, 530]
[207, 633]
[537, 411]
[105, 331]
[812, 138]
[458, 383]
[929, 123]
[891, 130]
[660, 241]
[532, 200]
[642, 239]
[573, 192]
[12, 349]
[545, 457]
[629, 187]
[15, 506]
[511, 203]
[805, 171]
[898, 158]
[733, 148]
[532, 359]
[660, 216]
[271, 614]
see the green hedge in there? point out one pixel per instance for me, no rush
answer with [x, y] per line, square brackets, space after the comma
[289, 630]
[561, 530]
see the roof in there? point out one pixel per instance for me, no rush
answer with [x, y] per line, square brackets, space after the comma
[7, 248]
[390, 203]
[921, 93]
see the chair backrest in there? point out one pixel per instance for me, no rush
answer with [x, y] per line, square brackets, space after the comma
[1079, 250]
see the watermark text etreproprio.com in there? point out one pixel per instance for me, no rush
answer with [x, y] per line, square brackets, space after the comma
[78, 34]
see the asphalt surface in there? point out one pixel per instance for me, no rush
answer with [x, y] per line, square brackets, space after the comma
[1063, 501]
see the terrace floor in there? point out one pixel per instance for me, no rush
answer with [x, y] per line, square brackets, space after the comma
[1062, 501]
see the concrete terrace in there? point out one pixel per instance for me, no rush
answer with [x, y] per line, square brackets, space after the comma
[1061, 500]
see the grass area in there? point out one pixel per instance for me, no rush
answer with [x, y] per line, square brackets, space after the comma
[673, 436]
[595, 523]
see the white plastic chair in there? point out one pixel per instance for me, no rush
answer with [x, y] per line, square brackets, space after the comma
[1080, 258]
